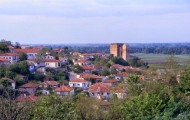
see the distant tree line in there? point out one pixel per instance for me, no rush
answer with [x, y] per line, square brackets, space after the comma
[156, 49]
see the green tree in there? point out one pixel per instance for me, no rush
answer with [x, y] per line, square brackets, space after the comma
[22, 56]
[52, 107]
[184, 84]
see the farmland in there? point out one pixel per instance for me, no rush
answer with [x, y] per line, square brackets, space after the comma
[161, 58]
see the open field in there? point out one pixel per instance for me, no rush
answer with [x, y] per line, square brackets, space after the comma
[161, 58]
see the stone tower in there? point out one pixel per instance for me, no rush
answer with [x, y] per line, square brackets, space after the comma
[119, 50]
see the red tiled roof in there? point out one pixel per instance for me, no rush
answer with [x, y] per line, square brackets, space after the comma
[50, 60]
[86, 76]
[9, 54]
[99, 87]
[4, 60]
[87, 67]
[27, 98]
[29, 85]
[117, 66]
[110, 81]
[123, 74]
[63, 88]
[78, 80]
[50, 83]
[27, 50]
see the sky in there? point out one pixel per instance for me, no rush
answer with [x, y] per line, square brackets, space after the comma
[95, 21]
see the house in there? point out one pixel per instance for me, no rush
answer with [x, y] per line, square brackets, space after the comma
[88, 69]
[90, 76]
[121, 75]
[40, 47]
[13, 57]
[76, 54]
[29, 98]
[119, 91]
[81, 62]
[64, 91]
[52, 63]
[87, 56]
[31, 53]
[100, 91]
[46, 86]
[63, 60]
[49, 84]
[30, 88]
[79, 83]
[48, 56]
[110, 82]
[4, 61]
[117, 67]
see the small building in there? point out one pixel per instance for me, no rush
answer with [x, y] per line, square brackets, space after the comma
[13, 57]
[100, 91]
[29, 98]
[49, 84]
[64, 91]
[52, 63]
[110, 82]
[31, 53]
[87, 69]
[4, 61]
[79, 83]
[121, 75]
[30, 88]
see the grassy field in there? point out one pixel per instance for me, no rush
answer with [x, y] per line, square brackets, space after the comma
[161, 58]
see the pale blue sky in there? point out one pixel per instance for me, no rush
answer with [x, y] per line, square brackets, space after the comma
[95, 21]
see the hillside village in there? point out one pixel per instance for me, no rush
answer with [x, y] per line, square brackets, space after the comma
[63, 72]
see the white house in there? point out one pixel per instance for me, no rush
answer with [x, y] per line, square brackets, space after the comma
[64, 91]
[79, 83]
[13, 57]
[31, 53]
[52, 63]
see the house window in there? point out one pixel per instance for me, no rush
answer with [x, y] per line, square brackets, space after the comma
[102, 93]
[78, 84]
[92, 94]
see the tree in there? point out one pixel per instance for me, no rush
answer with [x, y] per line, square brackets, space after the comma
[119, 60]
[53, 107]
[3, 47]
[134, 85]
[17, 45]
[22, 56]
[184, 84]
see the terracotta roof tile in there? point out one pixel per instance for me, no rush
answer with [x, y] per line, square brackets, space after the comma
[63, 88]
[86, 76]
[27, 50]
[27, 98]
[9, 54]
[4, 60]
[99, 87]
[29, 85]
[110, 81]
[50, 83]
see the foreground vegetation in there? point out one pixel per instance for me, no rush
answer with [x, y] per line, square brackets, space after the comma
[158, 98]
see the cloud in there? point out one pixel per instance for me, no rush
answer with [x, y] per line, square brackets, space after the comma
[92, 8]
